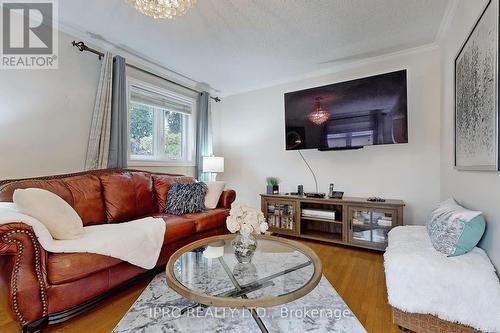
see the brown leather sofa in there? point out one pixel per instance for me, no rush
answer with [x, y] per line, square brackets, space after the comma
[45, 288]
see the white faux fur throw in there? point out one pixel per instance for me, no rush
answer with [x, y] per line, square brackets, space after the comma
[138, 242]
[462, 289]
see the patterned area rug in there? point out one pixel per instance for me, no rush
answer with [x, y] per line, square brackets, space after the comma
[159, 308]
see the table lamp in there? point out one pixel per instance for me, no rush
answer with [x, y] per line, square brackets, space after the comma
[213, 165]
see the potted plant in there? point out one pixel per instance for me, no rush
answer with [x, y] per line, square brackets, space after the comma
[245, 221]
[272, 185]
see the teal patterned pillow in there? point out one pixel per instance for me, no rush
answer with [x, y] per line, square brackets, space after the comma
[455, 230]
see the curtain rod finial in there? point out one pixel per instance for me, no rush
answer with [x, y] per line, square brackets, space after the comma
[80, 45]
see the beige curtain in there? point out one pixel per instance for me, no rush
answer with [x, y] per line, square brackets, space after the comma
[100, 130]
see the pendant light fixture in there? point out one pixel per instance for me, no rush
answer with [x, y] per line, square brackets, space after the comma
[160, 9]
[318, 115]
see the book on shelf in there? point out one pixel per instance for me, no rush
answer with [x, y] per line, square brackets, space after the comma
[280, 216]
[357, 221]
[385, 221]
[374, 235]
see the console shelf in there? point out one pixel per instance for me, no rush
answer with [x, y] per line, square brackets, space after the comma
[320, 219]
[321, 236]
[355, 221]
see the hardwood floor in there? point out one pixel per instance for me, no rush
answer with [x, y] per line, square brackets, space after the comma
[357, 275]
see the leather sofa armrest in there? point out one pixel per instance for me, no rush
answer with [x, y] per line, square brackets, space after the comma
[24, 272]
[226, 199]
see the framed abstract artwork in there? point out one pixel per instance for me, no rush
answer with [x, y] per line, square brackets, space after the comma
[476, 95]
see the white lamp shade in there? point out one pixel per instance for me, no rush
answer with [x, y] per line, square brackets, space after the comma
[213, 164]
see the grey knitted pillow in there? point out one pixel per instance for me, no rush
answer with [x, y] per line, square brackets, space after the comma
[186, 198]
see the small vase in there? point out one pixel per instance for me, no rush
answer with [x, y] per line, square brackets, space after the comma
[244, 248]
[269, 189]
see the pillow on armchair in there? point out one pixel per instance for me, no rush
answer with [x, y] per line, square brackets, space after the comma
[455, 230]
[185, 198]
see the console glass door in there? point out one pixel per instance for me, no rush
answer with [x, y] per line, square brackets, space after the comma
[370, 227]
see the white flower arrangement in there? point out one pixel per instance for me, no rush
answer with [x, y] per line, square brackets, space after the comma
[246, 220]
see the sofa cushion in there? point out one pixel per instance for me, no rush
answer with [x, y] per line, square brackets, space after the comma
[178, 227]
[128, 196]
[55, 186]
[162, 184]
[65, 296]
[210, 219]
[87, 198]
[62, 221]
[67, 267]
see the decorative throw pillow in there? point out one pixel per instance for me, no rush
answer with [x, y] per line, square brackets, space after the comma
[186, 198]
[57, 215]
[455, 230]
[162, 183]
[214, 191]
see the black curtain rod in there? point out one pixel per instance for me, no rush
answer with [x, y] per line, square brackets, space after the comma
[82, 47]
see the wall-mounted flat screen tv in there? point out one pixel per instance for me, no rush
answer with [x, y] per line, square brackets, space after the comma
[348, 115]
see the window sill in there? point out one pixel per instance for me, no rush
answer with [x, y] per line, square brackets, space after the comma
[146, 163]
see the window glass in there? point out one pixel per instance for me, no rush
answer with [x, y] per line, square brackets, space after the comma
[174, 135]
[141, 129]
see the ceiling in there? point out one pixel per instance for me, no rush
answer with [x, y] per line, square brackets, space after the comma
[239, 45]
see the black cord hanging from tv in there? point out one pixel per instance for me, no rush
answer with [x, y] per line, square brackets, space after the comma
[310, 169]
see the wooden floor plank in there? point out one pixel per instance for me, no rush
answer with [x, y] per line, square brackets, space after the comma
[357, 275]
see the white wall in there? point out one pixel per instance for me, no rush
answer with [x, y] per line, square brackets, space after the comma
[249, 133]
[476, 190]
[45, 115]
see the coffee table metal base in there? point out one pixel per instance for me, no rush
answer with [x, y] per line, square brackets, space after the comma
[242, 291]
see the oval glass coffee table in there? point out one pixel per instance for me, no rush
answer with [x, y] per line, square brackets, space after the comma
[207, 272]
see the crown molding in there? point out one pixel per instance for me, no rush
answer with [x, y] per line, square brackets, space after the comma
[133, 57]
[448, 16]
[141, 60]
[340, 66]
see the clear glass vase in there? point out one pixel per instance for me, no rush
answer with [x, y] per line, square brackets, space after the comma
[244, 248]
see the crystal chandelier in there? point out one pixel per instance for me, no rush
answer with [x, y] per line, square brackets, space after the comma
[318, 115]
[162, 8]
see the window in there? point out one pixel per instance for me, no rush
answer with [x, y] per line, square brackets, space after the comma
[351, 139]
[161, 127]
